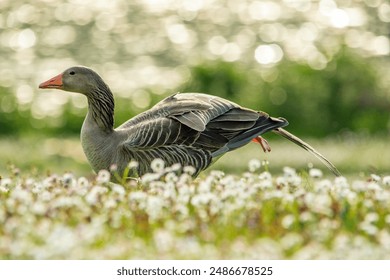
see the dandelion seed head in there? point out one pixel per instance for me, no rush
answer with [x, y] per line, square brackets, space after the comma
[281, 181]
[82, 182]
[373, 186]
[375, 178]
[266, 184]
[306, 217]
[386, 181]
[37, 188]
[163, 240]
[288, 221]
[171, 177]
[384, 239]
[103, 177]
[4, 189]
[368, 228]
[291, 240]
[68, 179]
[38, 208]
[113, 168]
[323, 186]
[315, 173]
[65, 202]
[133, 164]
[254, 165]
[289, 172]
[21, 195]
[154, 207]
[358, 186]
[118, 189]
[5, 183]
[45, 195]
[190, 170]
[371, 217]
[110, 203]
[30, 183]
[173, 168]
[352, 197]
[157, 165]
[265, 176]
[295, 181]
[217, 174]
[93, 196]
[149, 177]
[341, 182]
[61, 240]
[137, 196]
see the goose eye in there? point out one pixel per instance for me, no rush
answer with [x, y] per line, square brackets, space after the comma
[72, 73]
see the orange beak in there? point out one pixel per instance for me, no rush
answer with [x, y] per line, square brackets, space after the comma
[55, 82]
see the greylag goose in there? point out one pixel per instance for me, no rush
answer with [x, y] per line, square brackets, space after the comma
[192, 129]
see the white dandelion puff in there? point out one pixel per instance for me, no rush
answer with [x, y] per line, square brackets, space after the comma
[157, 165]
[370, 229]
[373, 186]
[315, 173]
[254, 165]
[118, 189]
[281, 181]
[171, 177]
[371, 217]
[149, 177]
[375, 178]
[190, 170]
[265, 176]
[103, 176]
[113, 168]
[38, 208]
[82, 182]
[323, 185]
[217, 174]
[94, 194]
[68, 179]
[386, 181]
[288, 221]
[289, 172]
[5, 183]
[133, 164]
[176, 167]
[341, 182]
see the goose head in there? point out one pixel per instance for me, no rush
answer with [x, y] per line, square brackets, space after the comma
[77, 79]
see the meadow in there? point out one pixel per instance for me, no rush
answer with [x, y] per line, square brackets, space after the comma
[322, 65]
[255, 209]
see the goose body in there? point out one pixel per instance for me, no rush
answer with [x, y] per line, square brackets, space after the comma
[192, 129]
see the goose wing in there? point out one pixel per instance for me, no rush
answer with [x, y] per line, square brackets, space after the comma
[192, 129]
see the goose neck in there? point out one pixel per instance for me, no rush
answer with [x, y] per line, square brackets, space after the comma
[101, 109]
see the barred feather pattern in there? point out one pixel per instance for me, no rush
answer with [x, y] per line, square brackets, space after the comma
[173, 154]
[191, 129]
[101, 106]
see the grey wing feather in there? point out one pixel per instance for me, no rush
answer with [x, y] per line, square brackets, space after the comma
[307, 147]
[192, 129]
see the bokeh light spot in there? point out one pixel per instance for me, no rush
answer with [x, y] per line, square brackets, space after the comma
[268, 54]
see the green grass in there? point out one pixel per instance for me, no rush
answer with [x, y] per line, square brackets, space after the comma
[48, 213]
[353, 157]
